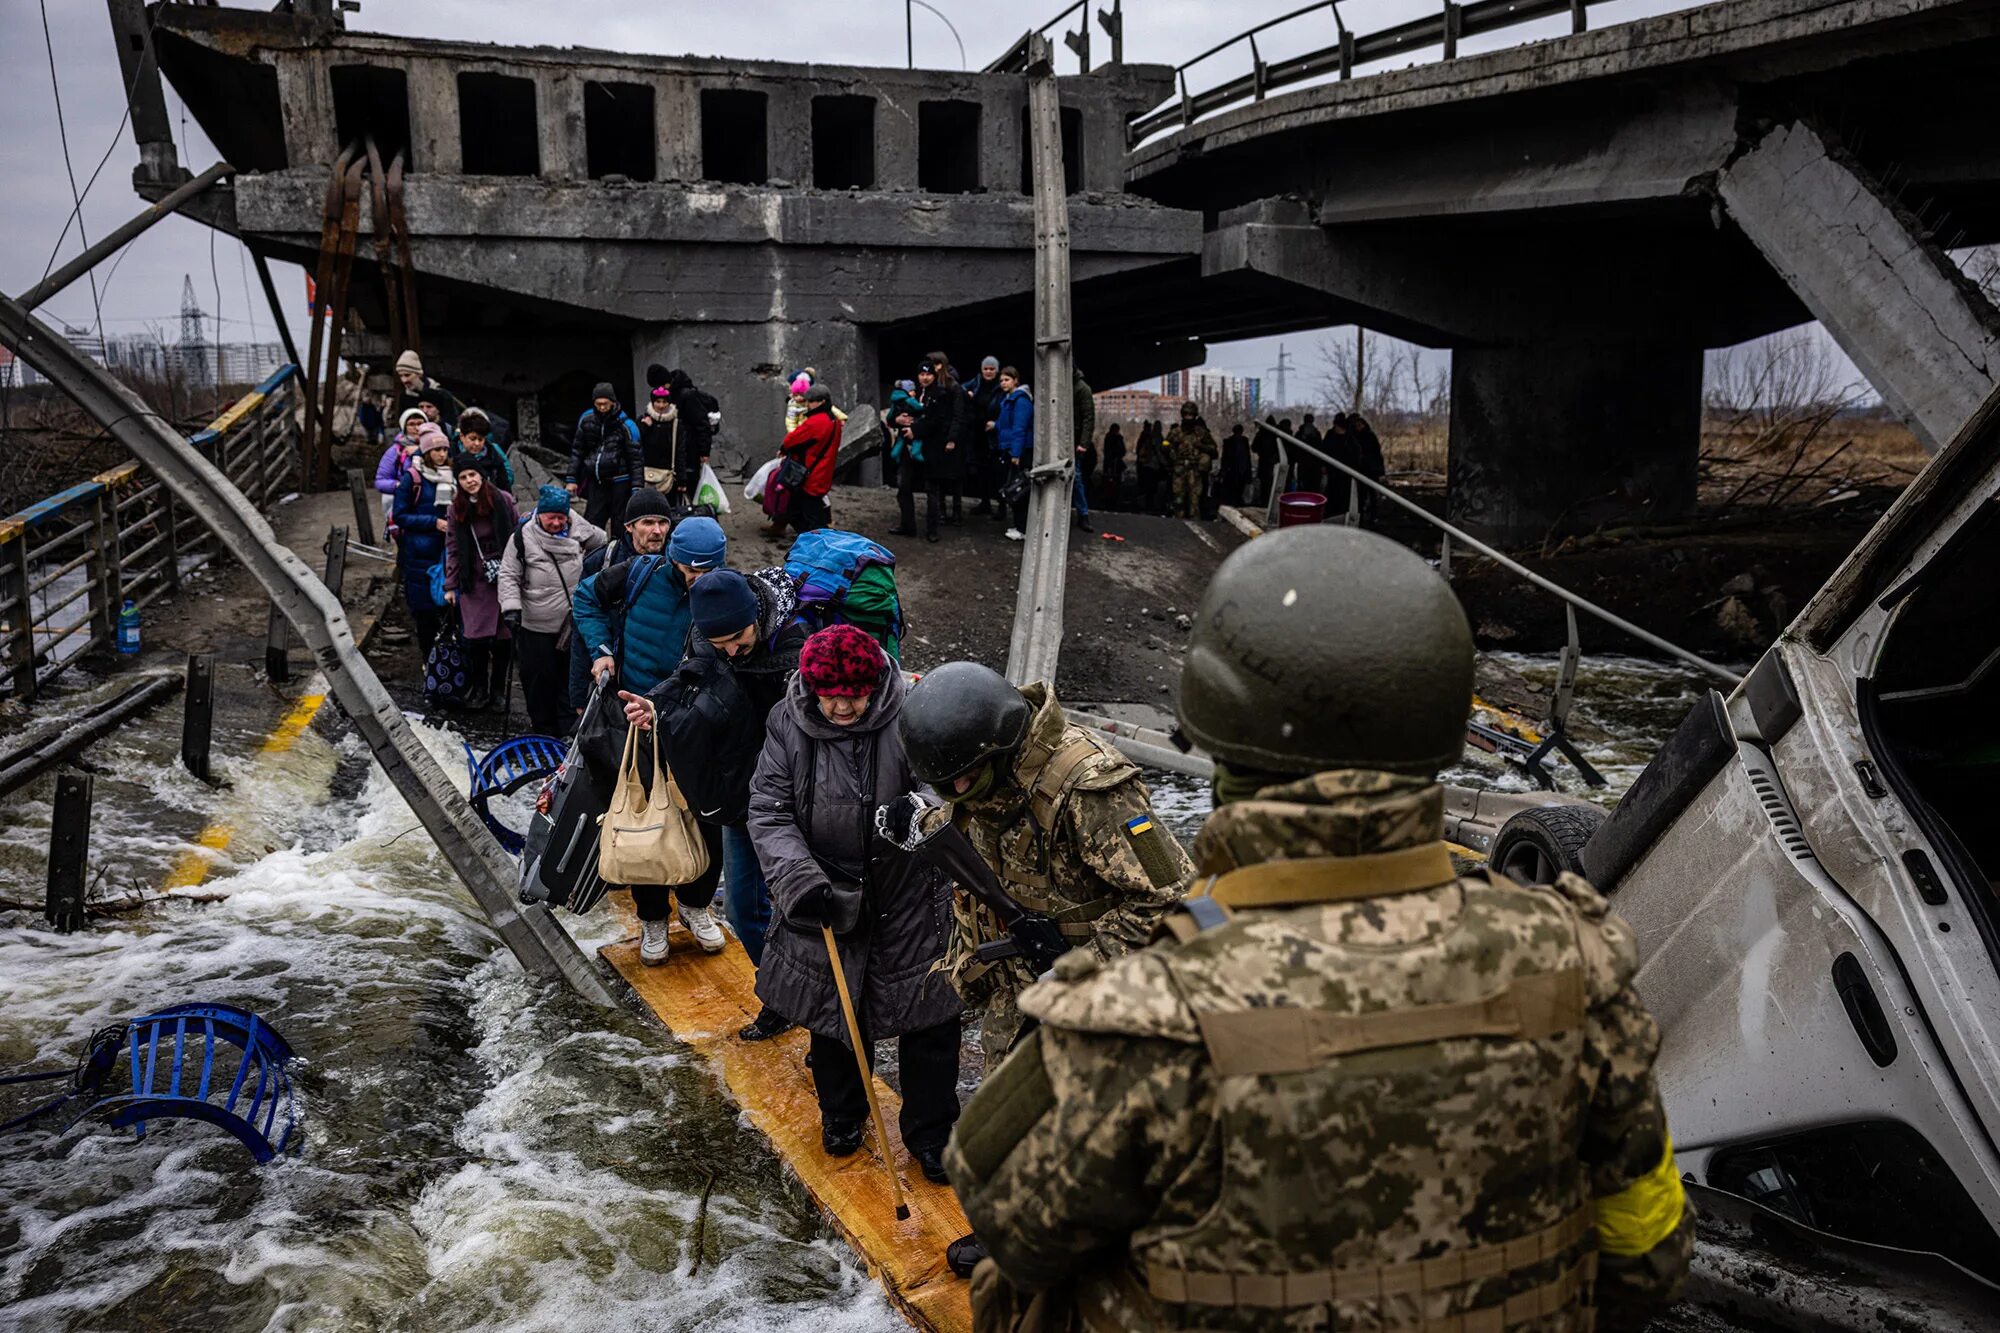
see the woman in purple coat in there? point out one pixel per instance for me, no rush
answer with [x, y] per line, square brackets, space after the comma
[482, 523]
[389, 472]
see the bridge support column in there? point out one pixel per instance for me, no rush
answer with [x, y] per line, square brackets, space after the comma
[1926, 338]
[1549, 437]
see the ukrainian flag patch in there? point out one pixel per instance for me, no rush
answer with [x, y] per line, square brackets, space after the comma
[1143, 824]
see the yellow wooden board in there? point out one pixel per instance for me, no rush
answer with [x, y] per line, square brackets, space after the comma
[703, 999]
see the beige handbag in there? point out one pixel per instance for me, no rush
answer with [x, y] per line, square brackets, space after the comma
[648, 838]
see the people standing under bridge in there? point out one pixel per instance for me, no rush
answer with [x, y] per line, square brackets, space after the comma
[1191, 447]
[987, 467]
[423, 504]
[906, 453]
[481, 524]
[952, 459]
[1146, 459]
[1235, 466]
[1369, 460]
[635, 619]
[716, 706]
[832, 755]
[410, 374]
[1311, 473]
[1083, 431]
[539, 573]
[1346, 1087]
[1015, 431]
[1264, 446]
[814, 445]
[395, 464]
[605, 462]
[1340, 447]
[1114, 466]
[475, 439]
[647, 522]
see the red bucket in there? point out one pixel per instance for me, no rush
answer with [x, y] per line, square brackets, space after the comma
[1297, 508]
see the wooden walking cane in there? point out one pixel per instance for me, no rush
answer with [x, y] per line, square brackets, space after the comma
[867, 1076]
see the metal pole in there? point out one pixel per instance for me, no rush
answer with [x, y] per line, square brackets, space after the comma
[277, 308]
[277, 657]
[1616, 622]
[110, 244]
[69, 852]
[198, 715]
[364, 508]
[336, 561]
[1038, 609]
[909, 34]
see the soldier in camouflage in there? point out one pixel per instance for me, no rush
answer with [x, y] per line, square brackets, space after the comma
[1349, 1087]
[1063, 818]
[1193, 450]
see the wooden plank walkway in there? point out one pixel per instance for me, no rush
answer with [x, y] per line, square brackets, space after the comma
[703, 999]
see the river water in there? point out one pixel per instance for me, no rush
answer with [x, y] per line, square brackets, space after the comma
[480, 1150]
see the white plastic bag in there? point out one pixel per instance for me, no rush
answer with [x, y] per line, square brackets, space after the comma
[709, 490]
[753, 489]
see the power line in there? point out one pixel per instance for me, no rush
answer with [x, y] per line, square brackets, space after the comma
[62, 131]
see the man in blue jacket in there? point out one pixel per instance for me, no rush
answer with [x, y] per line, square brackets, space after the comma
[605, 460]
[634, 620]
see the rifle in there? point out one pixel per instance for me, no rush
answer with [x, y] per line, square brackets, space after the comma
[1031, 936]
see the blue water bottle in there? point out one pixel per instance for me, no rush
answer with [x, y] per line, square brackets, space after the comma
[128, 628]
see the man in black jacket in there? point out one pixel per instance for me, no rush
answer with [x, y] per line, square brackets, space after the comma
[743, 649]
[986, 468]
[605, 461]
[1264, 445]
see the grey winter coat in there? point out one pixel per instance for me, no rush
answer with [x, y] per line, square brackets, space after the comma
[541, 588]
[808, 763]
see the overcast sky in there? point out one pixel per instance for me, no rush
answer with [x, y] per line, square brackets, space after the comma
[144, 290]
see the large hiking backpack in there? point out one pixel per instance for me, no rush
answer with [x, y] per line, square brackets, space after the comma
[844, 578]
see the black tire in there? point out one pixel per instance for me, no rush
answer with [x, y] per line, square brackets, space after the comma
[1540, 843]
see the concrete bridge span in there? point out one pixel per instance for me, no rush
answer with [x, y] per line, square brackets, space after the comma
[1569, 218]
[1577, 219]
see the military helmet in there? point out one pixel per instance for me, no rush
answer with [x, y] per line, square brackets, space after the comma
[1189, 411]
[1327, 647]
[958, 716]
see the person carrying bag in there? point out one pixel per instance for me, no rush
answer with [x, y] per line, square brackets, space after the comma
[649, 836]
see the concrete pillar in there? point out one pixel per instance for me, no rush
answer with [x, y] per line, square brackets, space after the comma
[1926, 338]
[307, 97]
[745, 367]
[435, 144]
[1553, 437]
[677, 108]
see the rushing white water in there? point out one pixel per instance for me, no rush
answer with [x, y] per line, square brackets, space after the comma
[480, 1151]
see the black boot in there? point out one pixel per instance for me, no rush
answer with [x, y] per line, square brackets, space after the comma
[767, 1024]
[931, 1162]
[840, 1140]
[963, 1255]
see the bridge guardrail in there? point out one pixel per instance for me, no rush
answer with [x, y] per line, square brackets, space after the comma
[1444, 27]
[67, 563]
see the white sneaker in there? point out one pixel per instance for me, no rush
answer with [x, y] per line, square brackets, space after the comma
[1016, 535]
[652, 943]
[702, 926]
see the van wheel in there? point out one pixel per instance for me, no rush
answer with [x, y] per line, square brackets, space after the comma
[1540, 843]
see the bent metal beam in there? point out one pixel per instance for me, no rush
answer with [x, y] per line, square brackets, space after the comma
[535, 936]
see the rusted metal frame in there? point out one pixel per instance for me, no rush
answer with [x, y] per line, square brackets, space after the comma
[1453, 18]
[111, 242]
[329, 241]
[379, 234]
[321, 457]
[399, 224]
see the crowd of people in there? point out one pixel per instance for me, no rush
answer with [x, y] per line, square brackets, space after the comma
[1177, 1050]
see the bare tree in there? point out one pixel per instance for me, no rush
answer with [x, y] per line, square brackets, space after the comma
[1360, 373]
[1772, 404]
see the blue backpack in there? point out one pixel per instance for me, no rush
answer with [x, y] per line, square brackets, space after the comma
[825, 563]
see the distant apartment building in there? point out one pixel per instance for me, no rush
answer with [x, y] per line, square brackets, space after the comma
[143, 356]
[1213, 389]
[1135, 405]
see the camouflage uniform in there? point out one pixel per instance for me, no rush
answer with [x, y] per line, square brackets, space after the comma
[1070, 831]
[1193, 451]
[1381, 1095]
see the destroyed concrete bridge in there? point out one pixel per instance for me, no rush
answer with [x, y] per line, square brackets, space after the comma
[1577, 219]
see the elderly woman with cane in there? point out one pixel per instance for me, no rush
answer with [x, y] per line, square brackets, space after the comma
[857, 925]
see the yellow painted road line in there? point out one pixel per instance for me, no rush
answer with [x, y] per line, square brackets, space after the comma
[197, 861]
